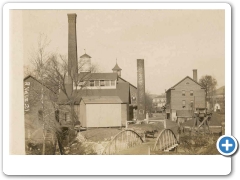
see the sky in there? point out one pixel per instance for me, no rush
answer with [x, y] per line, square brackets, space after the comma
[171, 42]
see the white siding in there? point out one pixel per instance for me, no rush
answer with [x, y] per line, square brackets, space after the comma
[103, 115]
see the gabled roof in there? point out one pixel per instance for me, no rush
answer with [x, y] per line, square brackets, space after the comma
[30, 76]
[220, 91]
[85, 56]
[101, 100]
[182, 81]
[127, 82]
[116, 67]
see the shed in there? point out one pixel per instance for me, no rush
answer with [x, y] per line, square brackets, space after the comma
[102, 111]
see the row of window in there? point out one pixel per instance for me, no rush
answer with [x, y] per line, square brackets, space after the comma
[159, 100]
[184, 103]
[97, 83]
[184, 93]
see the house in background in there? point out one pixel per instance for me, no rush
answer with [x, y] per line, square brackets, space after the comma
[216, 100]
[184, 97]
[159, 102]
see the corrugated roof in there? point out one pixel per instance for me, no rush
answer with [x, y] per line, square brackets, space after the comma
[101, 100]
[116, 67]
[85, 56]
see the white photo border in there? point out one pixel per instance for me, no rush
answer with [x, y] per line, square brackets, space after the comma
[113, 165]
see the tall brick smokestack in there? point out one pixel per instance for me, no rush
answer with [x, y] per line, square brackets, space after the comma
[141, 115]
[195, 75]
[72, 45]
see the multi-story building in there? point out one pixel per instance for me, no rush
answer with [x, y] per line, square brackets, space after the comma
[184, 97]
[159, 102]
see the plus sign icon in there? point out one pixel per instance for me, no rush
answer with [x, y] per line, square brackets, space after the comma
[227, 145]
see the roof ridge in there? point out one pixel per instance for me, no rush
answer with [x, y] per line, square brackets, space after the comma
[183, 80]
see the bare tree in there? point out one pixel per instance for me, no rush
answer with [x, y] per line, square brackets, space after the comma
[52, 71]
[149, 100]
[72, 86]
[209, 83]
[40, 59]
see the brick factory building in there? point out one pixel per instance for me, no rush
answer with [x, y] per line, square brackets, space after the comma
[184, 97]
[33, 110]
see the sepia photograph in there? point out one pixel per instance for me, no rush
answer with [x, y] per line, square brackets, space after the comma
[95, 88]
[122, 82]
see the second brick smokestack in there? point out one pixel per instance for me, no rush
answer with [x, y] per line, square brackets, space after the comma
[195, 75]
[141, 115]
[72, 45]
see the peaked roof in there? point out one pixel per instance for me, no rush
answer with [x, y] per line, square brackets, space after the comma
[182, 81]
[116, 67]
[127, 82]
[85, 56]
[30, 76]
[220, 91]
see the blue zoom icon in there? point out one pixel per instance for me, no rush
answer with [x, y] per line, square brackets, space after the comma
[227, 145]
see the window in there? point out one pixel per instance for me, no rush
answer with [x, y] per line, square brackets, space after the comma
[96, 83]
[191, 104]
[81, 83]
[133, 98]
[107, 83]
[191, 93]
[67, 117]
[91, 83]
[183, 92]
[187, 82]
[102, 83]
[183, 103]
[112, 83]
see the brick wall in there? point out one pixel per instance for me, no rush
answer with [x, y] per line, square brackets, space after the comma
[32, 105]
[187, 85]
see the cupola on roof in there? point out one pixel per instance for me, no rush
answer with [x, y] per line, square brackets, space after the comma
[85, 56]
[116, 67]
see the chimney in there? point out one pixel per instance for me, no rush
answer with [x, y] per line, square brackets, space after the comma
[195, 75]
[141, 115]
[72, 45]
